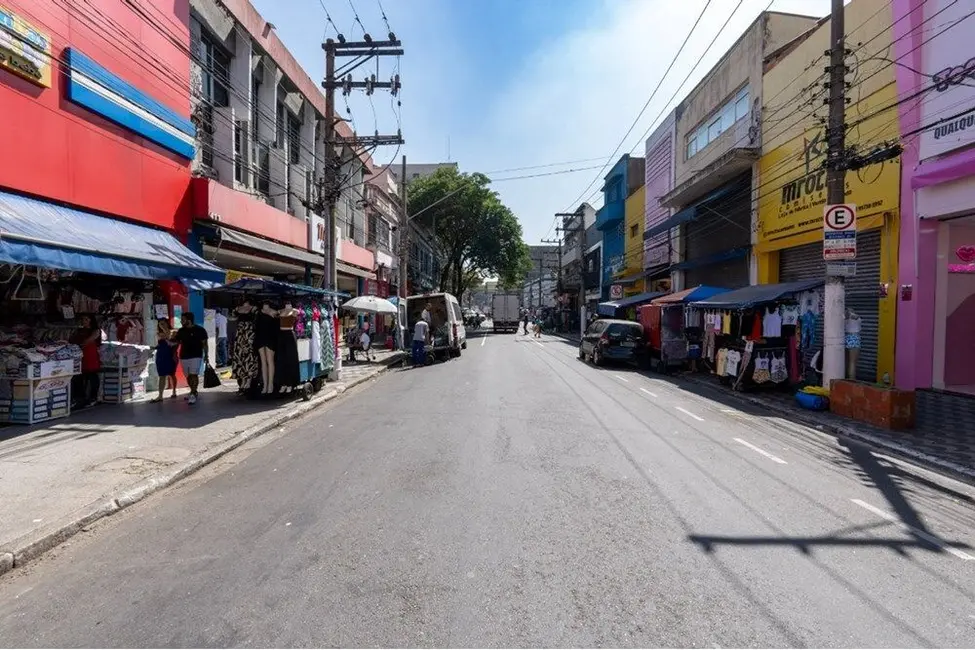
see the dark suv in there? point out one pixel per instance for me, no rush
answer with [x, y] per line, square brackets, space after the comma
[613, 340]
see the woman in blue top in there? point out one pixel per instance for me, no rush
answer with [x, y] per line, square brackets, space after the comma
[165, 359]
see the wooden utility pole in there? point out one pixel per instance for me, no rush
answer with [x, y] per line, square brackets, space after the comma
[404, 232]
[332, 184]
[834, 318]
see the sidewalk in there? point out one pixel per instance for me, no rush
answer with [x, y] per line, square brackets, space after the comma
[58, 477]
[943, 438]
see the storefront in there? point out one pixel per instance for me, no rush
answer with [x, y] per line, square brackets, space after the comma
[790, 231]
[936, 281]
[68, 274]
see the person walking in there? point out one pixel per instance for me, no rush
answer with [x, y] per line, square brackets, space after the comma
[421, 336]
[524, 323]
[221, 323]
[165, 359]
[192, 342]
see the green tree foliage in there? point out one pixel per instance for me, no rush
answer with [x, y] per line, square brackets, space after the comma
[477, 235]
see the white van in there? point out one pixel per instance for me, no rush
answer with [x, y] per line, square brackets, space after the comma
[447, 329]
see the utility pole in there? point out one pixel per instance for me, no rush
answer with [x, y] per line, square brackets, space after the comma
[558, 281]
[331, 185]
[834, 318]
[404, 232]
[579, 230]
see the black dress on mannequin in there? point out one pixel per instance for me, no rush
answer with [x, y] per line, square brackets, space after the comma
[287, 374]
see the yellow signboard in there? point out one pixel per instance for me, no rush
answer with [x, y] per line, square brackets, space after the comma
[233, 276]
[24, 51]
[792, 177]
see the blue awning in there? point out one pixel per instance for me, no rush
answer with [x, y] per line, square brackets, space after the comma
[756, 294]
[36, 233]
[716, 258]
[260, 286]
[687, 214]
[609, 308]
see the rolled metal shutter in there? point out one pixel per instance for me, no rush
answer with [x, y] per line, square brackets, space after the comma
[721, 225]
[862, 292]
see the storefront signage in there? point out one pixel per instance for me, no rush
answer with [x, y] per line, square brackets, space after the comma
[841, 269]
[24, 50]
[92, 86]
[58, 383]
[950, 73]
[56, 368]
[233, 276]
[966, 254]
[793, 178]
[839, 232]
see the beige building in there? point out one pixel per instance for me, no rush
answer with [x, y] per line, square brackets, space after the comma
[718, 140]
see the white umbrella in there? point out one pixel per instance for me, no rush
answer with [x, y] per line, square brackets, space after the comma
[370, 305]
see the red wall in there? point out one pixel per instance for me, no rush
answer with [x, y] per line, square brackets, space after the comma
[61, 151]
[211, 200]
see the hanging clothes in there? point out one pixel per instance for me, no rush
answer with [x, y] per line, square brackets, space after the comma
[245, 364]
[286, 370]
[790, 314]
[778, 371]
[772, 324]
[761, 374]
[732, 359]
[328, 342]
[315, 352]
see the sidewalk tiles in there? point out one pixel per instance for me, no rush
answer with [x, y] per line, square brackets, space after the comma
[63, 473]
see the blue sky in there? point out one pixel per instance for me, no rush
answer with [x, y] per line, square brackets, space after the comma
[522, 83]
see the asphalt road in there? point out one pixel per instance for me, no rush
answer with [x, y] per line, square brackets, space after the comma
[519, 497]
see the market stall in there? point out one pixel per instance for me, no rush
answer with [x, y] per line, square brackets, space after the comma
[674, 332]
[626, 307]
[756, 337]
[285, 335]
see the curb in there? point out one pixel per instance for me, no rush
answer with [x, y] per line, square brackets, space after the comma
[36, 543]
[902, 452]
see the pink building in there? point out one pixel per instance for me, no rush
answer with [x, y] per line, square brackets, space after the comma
[659, 173]
[936, 281]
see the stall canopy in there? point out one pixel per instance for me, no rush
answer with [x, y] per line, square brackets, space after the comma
[36, 233]
[700, 292]
[257, 243]
[758, 294]
[262, 287]
[609, 308]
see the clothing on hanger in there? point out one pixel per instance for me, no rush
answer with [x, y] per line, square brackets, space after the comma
[771, 323]
[790, 314]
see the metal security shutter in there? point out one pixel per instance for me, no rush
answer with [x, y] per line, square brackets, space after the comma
[722, 224]
[862, 292]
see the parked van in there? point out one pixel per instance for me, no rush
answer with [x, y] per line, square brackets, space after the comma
[447, 329]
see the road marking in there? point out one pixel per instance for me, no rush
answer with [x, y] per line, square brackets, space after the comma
[686, 412]
[483, 341]
[648, 392]
[622, 379]
[538, 344]
[928, 537]
[771, 457]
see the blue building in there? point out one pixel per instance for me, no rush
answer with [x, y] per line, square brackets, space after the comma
[623, 179]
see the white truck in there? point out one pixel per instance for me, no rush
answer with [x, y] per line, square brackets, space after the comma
[506, 311]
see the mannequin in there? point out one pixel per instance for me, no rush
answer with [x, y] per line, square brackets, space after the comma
[288, 375]
[852, 330]
[265, 340]
[245, 363]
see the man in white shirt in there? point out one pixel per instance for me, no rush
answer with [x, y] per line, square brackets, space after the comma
[222, 356]
[421, 336]
[364, 341]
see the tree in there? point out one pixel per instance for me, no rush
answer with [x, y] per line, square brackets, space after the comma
[477, 235]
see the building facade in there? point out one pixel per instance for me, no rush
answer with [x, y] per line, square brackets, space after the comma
[658, 240]
[577, 231]
[382, 227]
[934, 288]
[718, 139]
[791, 178]
[623, 179]
[633, 280]
[261, 155]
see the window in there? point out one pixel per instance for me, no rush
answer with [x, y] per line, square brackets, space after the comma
[255, 111]
[263, 170]
[279, 130]
[294, 139]
[635, 230]
[724, 118]
[458, 314]
[240, 165]
[215, 64]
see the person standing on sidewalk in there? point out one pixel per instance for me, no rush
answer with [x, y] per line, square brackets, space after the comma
[165, 359]
[89, 338]
[192, 341]
[524, 323]
[221, 323]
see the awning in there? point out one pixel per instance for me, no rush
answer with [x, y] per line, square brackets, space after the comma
[260, 286]
[693, 294]
[687, 214]
[609, 308]
[348, 269]
[757, 294]
[231, 236]
[630, 279]
[36, 233]
[716, 258]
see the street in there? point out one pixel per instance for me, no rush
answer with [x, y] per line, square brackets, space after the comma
[520, 497]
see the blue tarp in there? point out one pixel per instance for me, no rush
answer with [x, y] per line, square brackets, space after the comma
[694, 294]
[756, 294]
[36, 233]
[609, 308]
[260, 286]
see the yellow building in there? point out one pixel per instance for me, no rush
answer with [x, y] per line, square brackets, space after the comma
[632, 274]
[791, 178]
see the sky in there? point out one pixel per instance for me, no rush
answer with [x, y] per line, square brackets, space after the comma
[513, 88]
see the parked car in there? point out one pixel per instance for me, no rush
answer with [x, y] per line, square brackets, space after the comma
[613, 340]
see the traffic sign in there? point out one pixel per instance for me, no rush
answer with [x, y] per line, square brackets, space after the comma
[615, 291]
[840, 232]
